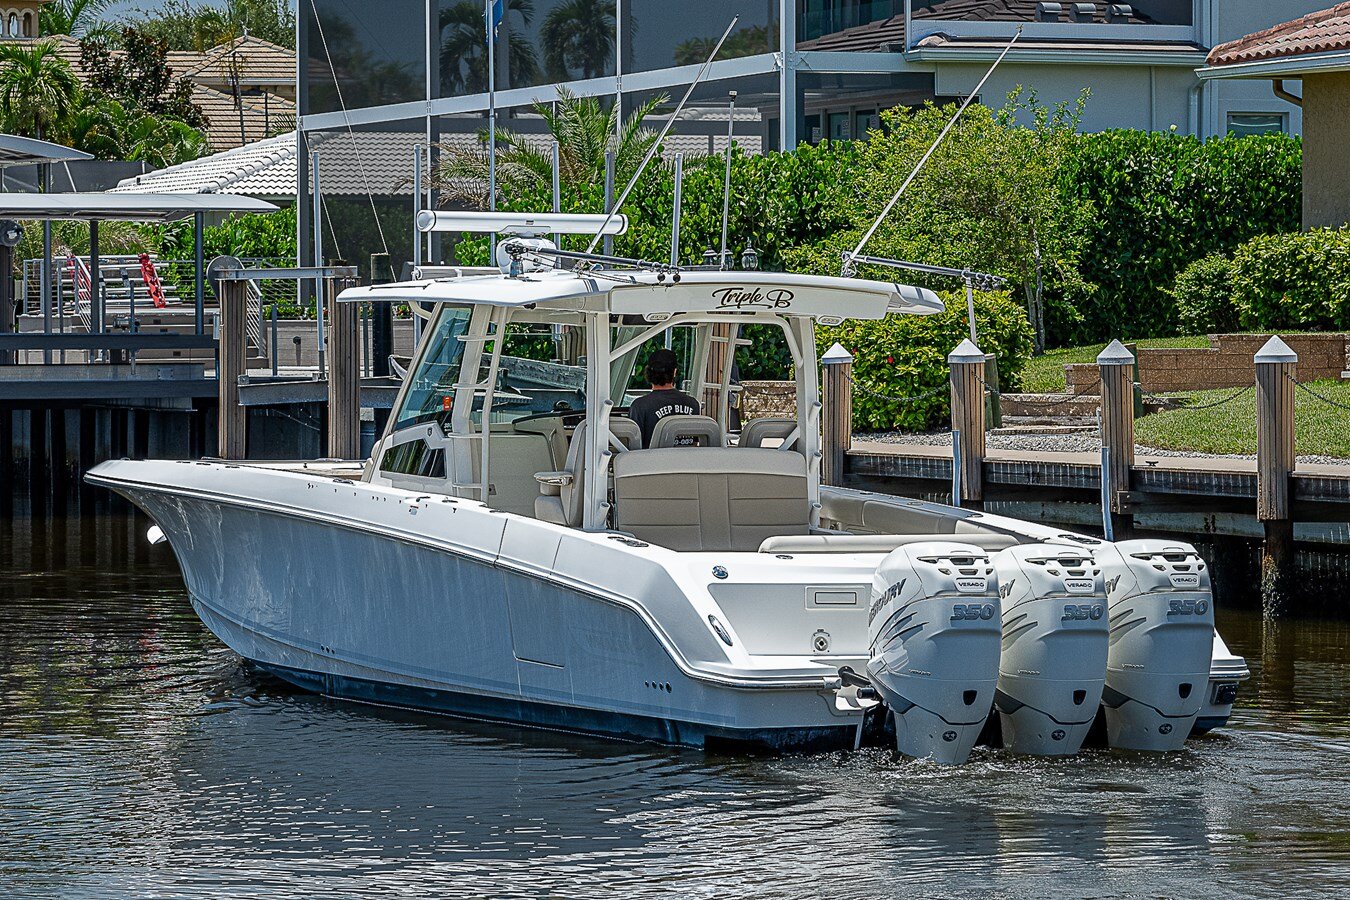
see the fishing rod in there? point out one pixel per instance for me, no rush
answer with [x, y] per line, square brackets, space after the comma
[518, 250]
[970, 98]
[656, 145]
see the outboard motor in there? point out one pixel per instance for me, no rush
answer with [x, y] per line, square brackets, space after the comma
[934, 635]
[1055, 632]
[1162, 641]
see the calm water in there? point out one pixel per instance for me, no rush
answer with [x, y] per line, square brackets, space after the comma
[139, 757]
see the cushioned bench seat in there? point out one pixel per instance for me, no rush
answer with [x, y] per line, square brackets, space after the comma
[714, 498]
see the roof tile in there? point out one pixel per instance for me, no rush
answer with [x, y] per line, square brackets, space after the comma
[1325, 31]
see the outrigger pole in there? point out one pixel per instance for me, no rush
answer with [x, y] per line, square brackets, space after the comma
[851, 258]
[656, 145]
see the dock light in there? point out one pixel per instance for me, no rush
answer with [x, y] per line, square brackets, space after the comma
[749, 258]
[10, 233]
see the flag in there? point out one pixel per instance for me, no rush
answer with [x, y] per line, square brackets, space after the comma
[498, 13]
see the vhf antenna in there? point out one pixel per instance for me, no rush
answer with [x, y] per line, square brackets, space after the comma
[726, 182]
[656, 145]
[851, 258]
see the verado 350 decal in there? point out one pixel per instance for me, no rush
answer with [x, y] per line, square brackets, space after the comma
[752, 298]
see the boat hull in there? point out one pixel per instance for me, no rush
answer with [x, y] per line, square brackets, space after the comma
[361, 614]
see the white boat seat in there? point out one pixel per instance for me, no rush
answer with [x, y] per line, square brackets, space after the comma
[875, 543]
[561, 493]
[713, 498]
[757, 431]
[686, 431]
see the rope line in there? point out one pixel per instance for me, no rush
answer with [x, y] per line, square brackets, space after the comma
[1310, 392]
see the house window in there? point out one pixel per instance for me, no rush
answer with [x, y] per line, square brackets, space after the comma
[1242, 124]
[839, 127]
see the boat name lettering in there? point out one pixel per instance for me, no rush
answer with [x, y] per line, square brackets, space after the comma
[740, 298]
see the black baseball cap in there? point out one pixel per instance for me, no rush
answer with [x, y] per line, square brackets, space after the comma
[663, 360]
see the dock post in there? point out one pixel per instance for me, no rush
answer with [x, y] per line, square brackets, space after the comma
[1117, 366]
[837, 416]
[1276, 367]
[344, 374]
[232, 430]
[967, 369]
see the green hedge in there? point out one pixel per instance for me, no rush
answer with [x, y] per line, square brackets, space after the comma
[906, 356]
[1203, 294]
[1158, 202]
[1299, 280]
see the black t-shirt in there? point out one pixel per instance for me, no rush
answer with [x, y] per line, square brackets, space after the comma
[650, 408]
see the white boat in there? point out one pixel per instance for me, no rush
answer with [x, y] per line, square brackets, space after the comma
[544, 569]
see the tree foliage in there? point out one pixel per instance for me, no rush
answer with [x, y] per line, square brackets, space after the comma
[134, 71]
[578, 39]
[188, 25]
[38, 89]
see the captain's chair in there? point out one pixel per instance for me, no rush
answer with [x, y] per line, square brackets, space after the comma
[686, 431]
[561, 493]
[759, 432]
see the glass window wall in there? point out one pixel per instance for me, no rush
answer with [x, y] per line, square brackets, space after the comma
[375, 50]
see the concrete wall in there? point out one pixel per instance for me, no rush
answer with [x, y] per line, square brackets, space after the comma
[1226, 363]
[1326, 150]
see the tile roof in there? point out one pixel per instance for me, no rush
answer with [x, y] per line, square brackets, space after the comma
[1320, 32]
[260, 62]
[263, 115]
[873, 36]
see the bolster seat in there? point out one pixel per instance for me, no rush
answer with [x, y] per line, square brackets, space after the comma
[713, 498]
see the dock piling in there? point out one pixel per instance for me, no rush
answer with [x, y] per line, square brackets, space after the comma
[967, 368]
[1276, 369]
[837, 415]
[1117, 366]
[232, 432]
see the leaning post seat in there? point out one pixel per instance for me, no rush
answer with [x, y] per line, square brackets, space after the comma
[713, 498]
[687, 431]
[561, 492]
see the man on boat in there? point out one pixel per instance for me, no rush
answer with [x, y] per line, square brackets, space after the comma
[664, 399]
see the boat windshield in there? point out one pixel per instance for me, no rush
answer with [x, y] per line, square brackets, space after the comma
[432, 386]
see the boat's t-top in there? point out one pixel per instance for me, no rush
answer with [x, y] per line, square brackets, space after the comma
[544, 347]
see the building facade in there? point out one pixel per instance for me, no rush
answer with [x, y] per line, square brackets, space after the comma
[410, 73]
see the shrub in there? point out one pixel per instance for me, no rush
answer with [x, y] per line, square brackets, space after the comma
[906, 356]
[1298, 280]
[1204, 296]
[1159, 201]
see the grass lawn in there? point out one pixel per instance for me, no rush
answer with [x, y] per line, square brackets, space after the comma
[1045, 374]
[1319, 429]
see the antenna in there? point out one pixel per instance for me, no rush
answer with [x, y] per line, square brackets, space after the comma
[726, 182]
[970, 98]
[656, 145]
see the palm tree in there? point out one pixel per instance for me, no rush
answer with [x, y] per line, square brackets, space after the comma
[464, 48]
[38, 89]
[72, 17]
[578, 34]
[585, 132]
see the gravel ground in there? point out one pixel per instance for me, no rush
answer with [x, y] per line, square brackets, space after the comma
[1086, 441]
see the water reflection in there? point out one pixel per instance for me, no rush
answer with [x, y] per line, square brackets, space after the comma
[138, 757]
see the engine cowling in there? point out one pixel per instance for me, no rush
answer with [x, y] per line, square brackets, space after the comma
[1162, 640]
[933, 629]
[1055, 632]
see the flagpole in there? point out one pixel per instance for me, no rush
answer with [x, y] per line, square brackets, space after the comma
[492, 106]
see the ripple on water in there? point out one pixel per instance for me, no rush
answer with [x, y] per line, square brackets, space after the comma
[139, 757]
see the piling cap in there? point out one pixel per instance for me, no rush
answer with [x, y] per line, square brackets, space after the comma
[966, 352]
[1115, 354]
[836, 355]
[1275, 351]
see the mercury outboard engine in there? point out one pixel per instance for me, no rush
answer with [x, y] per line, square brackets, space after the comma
[1162, 641]
[1055, 633]
[934, 635]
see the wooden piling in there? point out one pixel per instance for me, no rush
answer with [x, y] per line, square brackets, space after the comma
[1276, 369]
[344, 374]
[967, 368]
[232, 430]
[1117, 366]
[836, 421]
